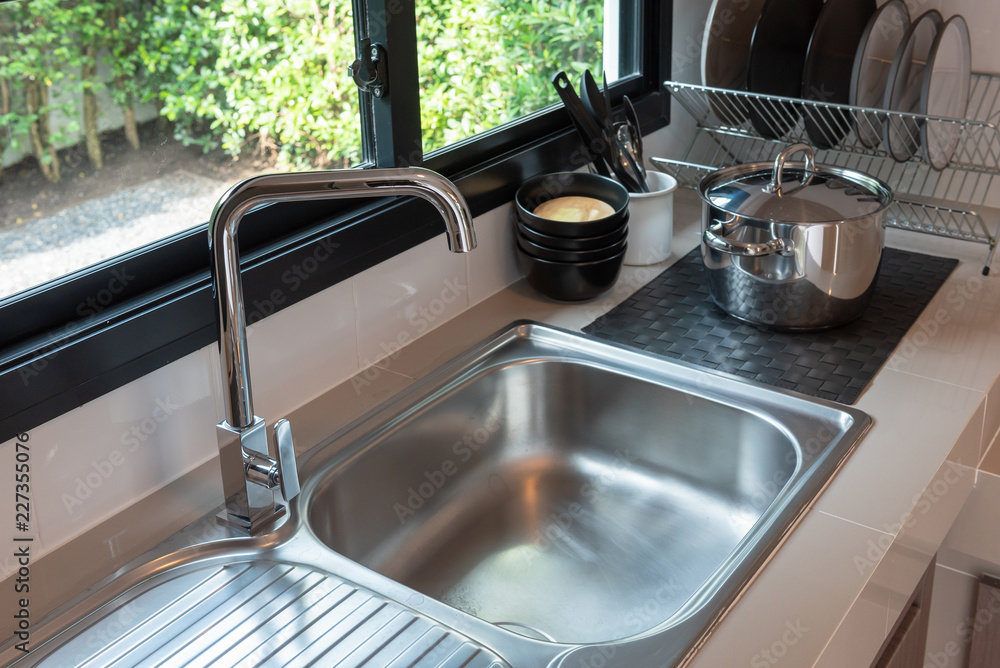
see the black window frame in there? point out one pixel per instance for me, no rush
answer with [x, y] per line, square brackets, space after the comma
[74, 339]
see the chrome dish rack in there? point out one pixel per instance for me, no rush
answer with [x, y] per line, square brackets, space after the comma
[951, 202]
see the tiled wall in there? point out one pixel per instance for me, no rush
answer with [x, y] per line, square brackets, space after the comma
[98, 459]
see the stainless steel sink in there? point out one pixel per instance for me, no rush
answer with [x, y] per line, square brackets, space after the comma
[575, 493]
[544, 500]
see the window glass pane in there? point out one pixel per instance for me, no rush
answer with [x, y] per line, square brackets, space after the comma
[486, 62]
[123, 121]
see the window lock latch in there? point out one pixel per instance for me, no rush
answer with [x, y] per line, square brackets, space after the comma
[370, 70]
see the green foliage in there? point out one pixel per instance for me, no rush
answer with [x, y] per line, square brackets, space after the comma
[488, 62]
[37, 47]
[266, 75]
[178, 53]
[269, 76]
[126, 21]
[282, 68]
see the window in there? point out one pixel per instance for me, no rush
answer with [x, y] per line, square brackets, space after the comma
[486, 63]
[247, 85]
[128, 129]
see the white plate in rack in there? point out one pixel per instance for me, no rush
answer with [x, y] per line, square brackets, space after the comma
[902, 93]
[725, 49]
[872, 63]
[945, 91]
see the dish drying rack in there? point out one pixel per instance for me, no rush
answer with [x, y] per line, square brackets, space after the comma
[950, 203]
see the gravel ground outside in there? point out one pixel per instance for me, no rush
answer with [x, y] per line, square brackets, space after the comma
[41, 249]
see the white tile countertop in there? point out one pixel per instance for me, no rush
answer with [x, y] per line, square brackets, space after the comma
[832, 591]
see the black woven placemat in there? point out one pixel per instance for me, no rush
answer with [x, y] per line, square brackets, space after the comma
[674, 316]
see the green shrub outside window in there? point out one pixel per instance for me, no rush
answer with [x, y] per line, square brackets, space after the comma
[269, 78]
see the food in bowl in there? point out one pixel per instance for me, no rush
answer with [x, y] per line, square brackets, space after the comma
[574, 209]
[547, 187]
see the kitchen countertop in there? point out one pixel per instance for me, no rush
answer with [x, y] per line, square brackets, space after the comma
[832, 591]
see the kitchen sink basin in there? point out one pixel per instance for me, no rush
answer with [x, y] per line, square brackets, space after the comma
[546, 486]
[551, 494]
[544, 500]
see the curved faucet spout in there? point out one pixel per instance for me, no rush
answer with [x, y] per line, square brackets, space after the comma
[295, 187]
[246, 467]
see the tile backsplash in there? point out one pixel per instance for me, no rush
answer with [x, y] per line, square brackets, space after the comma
[408, 295]
[98, 459]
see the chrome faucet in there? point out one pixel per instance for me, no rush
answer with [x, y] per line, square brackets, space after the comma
[250, 475]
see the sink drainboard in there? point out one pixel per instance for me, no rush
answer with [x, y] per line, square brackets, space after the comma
[256, 613]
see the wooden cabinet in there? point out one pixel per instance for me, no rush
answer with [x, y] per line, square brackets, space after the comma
[985, 650]
[905, 646]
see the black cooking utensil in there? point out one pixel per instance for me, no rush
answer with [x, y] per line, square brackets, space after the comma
[600, 142]
[830, 66]
[777, 58]
[595, 102]
[626, 169]
[598, 150]
[607, 99]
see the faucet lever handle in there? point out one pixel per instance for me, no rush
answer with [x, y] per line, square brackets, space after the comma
[288, 475]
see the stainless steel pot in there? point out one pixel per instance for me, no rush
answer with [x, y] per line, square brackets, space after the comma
[792, 245]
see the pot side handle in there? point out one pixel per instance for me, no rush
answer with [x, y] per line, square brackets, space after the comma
[715, 238]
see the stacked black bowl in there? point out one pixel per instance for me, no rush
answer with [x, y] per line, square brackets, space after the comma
[571, 259]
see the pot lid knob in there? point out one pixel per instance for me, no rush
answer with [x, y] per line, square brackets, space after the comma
[774, 187]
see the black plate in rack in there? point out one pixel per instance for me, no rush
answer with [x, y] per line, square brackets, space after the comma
[777, 59]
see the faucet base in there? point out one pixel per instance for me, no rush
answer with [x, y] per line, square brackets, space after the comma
[251, 501]
[250, 526]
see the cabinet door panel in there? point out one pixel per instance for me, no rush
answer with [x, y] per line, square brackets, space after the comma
[985, 650]
[906, 649]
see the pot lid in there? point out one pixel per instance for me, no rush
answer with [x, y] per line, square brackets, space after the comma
[799, 193]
